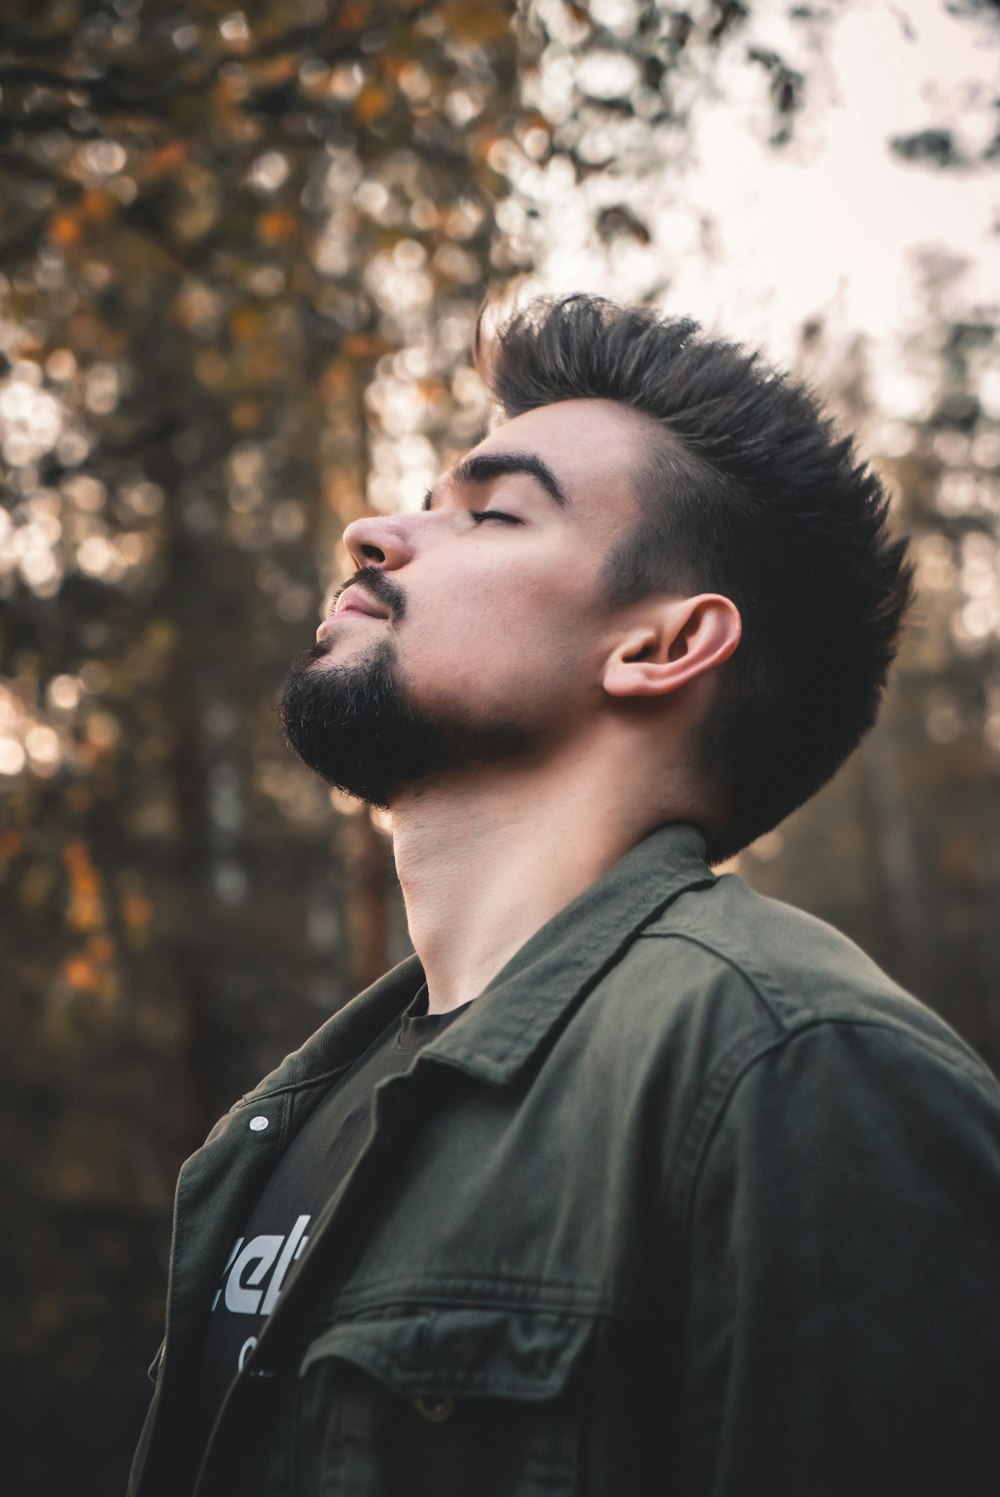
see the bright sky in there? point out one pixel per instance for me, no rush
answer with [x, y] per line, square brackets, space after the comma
[834, 224]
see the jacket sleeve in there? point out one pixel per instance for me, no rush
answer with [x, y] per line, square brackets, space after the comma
[843, 1328]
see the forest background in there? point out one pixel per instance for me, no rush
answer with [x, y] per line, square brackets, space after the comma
[241, 255]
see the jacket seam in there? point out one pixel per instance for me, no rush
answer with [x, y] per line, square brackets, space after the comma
[472, 1293]
[749, 978]
[707, 1110]
[740, 1066]
[615, 957]
[583, 1310]
[252, 1099]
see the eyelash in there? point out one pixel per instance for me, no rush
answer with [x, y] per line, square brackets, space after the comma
[479, 515]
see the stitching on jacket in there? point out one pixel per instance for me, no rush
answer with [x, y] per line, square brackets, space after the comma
[729, 961]
[741, 1066]
[252, 1099]
[706, 1114]
[634, 933]
[470, 1292]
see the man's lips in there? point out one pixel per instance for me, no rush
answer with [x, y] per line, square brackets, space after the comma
[353, 600]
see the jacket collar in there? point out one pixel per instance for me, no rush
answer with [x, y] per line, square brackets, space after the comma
[505, 1026]
[338, 1042]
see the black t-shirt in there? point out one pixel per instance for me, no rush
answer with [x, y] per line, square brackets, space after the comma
[263, 1257]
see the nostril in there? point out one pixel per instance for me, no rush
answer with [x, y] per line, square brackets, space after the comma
[372, 553]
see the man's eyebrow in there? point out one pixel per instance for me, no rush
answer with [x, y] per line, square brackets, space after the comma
[481, 467]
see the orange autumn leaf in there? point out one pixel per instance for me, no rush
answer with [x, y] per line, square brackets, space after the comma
[65, 230]
[365, 346]
[371, 104]
[80, 972]
[394, 64]
[96, 205]
[245, 415]
[11, 843]
[245, 324]
[275, 226]
[477, 20]
[84, 911]
[76, 855]
[353, 15]
[166, 160]
[275, 69]
[87, 752]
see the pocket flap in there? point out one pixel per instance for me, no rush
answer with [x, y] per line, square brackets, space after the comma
[477, 1353]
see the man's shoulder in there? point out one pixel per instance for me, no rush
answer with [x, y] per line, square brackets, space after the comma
[798, 967]
[733, 972]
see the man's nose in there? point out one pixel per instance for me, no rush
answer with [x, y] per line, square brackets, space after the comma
[379, 540]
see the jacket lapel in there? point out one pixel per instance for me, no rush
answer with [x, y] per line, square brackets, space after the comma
[499, 1034]
[506, 1026]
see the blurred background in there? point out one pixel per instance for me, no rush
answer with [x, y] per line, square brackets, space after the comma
[242, 251]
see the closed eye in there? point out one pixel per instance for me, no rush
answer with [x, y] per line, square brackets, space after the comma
[479, 515]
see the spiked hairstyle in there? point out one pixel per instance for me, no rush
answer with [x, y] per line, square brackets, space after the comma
[747, 491]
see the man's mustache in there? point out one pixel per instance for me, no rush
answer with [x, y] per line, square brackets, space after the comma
[377, 584]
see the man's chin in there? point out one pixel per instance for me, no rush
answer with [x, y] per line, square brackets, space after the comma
[351, 723]
[348, 723]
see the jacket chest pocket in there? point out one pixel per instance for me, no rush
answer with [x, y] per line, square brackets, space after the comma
[444, 1403]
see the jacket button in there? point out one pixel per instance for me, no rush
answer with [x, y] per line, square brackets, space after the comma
[258, 1125]
[435, 1407]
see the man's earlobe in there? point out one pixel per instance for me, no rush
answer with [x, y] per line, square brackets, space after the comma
[679, 641]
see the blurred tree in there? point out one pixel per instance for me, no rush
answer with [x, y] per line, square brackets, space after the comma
[242, 252]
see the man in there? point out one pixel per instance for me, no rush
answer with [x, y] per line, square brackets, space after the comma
[629, 1181]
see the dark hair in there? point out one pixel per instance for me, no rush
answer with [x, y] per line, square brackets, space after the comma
[751, 493]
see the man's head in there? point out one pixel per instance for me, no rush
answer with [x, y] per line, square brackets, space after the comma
[651, 492]
[475, 632]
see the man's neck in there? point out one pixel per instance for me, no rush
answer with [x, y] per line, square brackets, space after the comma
[486, 863]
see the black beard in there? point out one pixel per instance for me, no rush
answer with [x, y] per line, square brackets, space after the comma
[353, 725]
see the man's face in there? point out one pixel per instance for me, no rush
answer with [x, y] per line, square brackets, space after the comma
[476, 629]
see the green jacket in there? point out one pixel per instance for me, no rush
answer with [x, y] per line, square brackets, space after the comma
[692, 1200]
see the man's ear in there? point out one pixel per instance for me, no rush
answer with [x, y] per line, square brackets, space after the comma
[678, 640]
